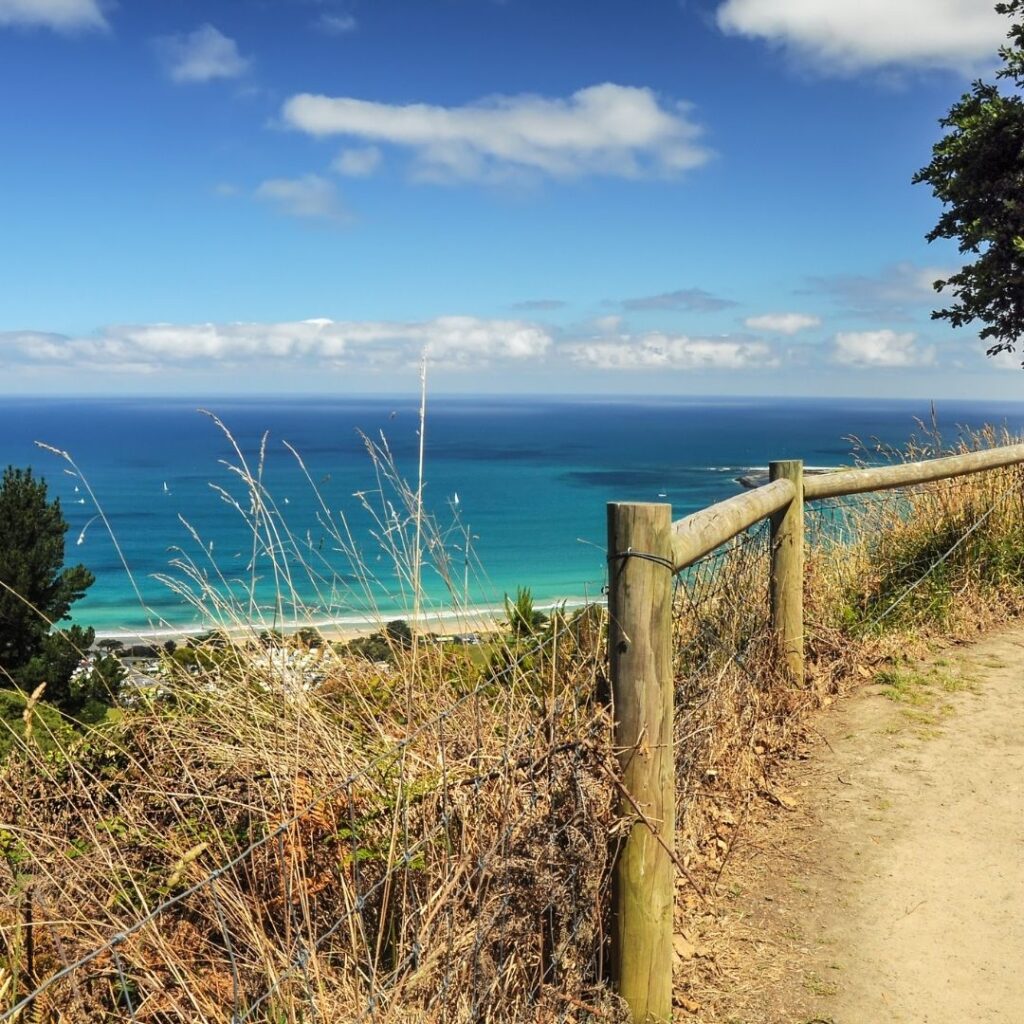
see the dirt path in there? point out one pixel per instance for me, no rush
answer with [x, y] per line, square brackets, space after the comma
[893, 892]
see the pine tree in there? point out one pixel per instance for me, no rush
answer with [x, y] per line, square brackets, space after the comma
[36, 589]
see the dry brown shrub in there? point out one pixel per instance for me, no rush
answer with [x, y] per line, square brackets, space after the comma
[433, 841]
[386, 861]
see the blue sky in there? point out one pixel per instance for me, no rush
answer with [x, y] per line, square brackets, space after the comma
[706, 197]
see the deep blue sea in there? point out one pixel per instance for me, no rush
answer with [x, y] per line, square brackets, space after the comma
[532, 476]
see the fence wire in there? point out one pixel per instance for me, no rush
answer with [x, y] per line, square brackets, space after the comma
[446, 864]
[912, 556]
[917, 559]
[721, 639]
[433, 844]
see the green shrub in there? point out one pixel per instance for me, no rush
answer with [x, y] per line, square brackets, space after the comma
[50, 731]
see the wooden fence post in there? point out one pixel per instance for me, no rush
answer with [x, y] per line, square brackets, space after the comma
[640, 663]
[787, 572]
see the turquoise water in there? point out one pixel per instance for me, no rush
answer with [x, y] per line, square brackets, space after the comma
[532, 477]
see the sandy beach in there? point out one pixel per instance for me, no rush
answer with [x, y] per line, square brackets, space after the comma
[487, 619]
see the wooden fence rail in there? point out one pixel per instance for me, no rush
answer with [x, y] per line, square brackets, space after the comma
[645, 550]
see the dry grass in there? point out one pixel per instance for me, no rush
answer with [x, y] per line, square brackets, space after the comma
[432, 839]
[379, 859]
[887, 575]
[425, 838]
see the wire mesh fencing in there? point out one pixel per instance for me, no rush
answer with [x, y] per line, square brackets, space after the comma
[418, 845]
[917, 557]
[881, 569]
[435, 841]
[725, 663]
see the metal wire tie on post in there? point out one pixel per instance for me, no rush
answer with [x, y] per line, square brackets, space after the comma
[647, 556]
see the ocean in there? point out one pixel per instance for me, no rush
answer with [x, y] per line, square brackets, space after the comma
[524, 479]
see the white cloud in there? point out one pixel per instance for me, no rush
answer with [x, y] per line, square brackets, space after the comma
[605, 129]
[336, 24]
[357, 163]
[845, 36]
[310, 197]
[782, 323]
[896, 289]
[673, 352]
[1002, 360]
[610, 324]
[62, 15]
[202, 55]
[884, 349]
[452, 341]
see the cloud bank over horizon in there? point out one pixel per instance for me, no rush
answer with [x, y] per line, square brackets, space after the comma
[450, 341]
[881, 349]
[602, 355]
[188, 192]
[657, 351]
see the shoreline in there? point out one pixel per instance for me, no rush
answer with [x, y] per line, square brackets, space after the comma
[483, 618]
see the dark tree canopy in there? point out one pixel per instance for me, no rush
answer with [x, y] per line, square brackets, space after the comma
[977, 171]
[400, 632]
[35, 587]
[55, 663]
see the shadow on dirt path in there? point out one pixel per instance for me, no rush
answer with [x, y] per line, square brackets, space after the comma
[893, 890]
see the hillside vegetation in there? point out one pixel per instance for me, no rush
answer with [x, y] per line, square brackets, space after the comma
[429, 837]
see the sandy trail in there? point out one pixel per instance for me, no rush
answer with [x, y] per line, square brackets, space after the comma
[920, 910]
[895, 892]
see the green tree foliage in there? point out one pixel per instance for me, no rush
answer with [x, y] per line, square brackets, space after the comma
[384, 644]
[49, 730]
[215, 639]
[373, 648]
[399, 631]
[58, 656]
[309, 637]
[523, 619]
[977, 171]
[100, 686]
[272, 638]
[37, 589]
[56, 664]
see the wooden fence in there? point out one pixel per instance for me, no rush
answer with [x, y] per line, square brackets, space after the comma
[645, 550]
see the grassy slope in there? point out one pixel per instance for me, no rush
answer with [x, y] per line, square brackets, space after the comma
[446, 866]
